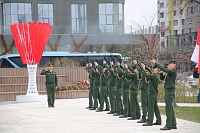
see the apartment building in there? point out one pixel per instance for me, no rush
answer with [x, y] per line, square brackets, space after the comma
[178, 21]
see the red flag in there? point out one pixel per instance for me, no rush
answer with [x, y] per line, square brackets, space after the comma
[198, 43]
[196, 53]
[198, 37]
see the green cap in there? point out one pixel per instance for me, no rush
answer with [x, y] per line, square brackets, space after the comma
[50, 64]
[172, 62]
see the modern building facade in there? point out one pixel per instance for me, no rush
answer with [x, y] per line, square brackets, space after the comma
[97, 25]
[178, 21]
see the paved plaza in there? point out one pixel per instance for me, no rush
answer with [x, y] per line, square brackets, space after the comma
[70, 116]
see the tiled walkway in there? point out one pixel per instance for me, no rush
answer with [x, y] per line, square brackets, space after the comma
[70, 116]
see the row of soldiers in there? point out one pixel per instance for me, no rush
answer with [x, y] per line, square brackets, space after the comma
[121, 85]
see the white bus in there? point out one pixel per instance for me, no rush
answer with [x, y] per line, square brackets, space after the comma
[14, 60]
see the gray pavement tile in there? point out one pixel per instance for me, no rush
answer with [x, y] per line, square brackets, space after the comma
[70, 116]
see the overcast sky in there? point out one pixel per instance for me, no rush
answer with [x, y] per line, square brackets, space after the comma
[134, 11]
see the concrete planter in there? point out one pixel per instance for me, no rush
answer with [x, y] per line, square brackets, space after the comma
[72, 94]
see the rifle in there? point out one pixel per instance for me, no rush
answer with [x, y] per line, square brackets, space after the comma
[145, 67]
[148, 69]
[85, 60]
[132, 70]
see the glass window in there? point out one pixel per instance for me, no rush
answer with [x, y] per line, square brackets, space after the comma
[8, 22]
[192, 9]
[27, 8]
[162, 34]
[45, 13]
[111, 18]
[174, 12]
[181, 12]
[190, 30]
[7, 9]
[175, 32]
[162, 24]
[13, 8]
[21, 18]
[21, 8]
[175, 22]
[120, 9]
[109, 8]
[183, 21]
[102, 9]
[102, 19]
[13, 12]
[162, 15]
[162, 5]
[188, 10]
[79, 18]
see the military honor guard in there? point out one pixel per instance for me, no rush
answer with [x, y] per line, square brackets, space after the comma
[111, 84]
[152, 79]
[125, 92]
[143, 86]
[51, 84]
[89, 67]
[169, 87]
[104, 74]
[133, 76]
[118, 72]
[96, 82]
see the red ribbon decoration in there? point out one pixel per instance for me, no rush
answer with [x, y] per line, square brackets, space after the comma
[30, 39]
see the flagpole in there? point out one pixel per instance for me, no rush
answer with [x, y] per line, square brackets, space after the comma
[199, 55]
[199, 67]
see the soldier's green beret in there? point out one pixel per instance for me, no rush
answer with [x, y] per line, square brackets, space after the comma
[172, 62]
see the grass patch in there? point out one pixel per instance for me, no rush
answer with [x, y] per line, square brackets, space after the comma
[183, 94]
[185, 113]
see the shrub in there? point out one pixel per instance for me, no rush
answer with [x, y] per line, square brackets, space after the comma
[79, 85]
